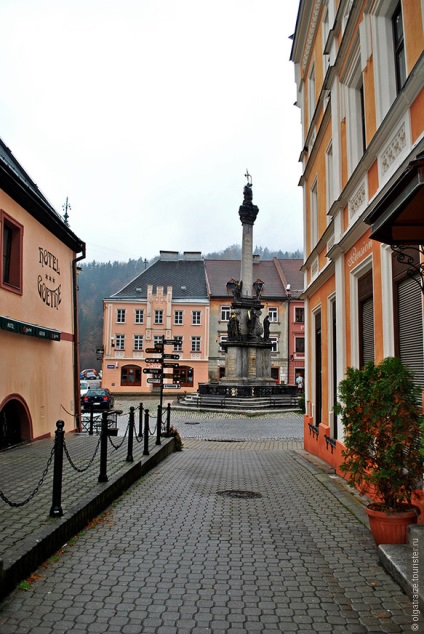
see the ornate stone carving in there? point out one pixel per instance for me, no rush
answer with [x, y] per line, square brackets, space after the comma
[311, 33]
[357, 200]
[393, 150]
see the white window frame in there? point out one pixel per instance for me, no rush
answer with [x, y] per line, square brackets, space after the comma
[312, 102]
[178, 343]
[196, 342]
[354, 112]
[139, 316]
[196, 317]
[296, 308]
[314, 214]
[295, 340]
[364, 267]
[221, 339]
[273, 314]
[178, 317]
[119, 342]
[275, 344]
[225, 313]
[157, 339]
[121, 315]
[384, 57]
[158, 317]
[329, 166]
[138, 342]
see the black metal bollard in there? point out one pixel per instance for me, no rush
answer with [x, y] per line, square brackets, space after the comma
[159, 425]
[146, 433]
[91, 420]
[130, 436]
[140, 421]
[103, 450]
[56, 508]
[168, 419]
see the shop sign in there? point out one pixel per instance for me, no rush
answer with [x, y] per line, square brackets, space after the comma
[50, 295]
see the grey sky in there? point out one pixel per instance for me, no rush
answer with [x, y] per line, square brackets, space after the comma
[146, 114]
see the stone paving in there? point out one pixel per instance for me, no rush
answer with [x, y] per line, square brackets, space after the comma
[175, 555]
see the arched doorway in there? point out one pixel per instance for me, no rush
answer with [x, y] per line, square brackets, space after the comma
[15, 422]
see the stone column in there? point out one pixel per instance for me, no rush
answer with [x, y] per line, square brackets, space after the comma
[247, 212]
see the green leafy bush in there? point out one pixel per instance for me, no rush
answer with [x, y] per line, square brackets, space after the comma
[379, 407]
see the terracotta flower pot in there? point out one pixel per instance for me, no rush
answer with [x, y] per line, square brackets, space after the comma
[391, 528]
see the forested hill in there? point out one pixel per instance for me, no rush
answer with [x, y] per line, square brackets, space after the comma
[98, 280]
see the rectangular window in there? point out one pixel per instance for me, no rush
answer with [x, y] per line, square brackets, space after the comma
[178, 344]
[158, 316]
[274, 341]
[330, 174]
[138, 342]
[299, 344]
[311, 94]
[119, 342]
[120, 316]
[195, 344]
[299, 315]
[399, 48]
[196, 318]
[11, 247]
[178, 317]
[314, 215]
[225, 313]
[273, 314]
[157, 339]
[366, 319]
[221, 339]
[139, 316]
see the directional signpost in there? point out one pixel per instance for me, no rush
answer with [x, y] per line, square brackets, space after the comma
[157, 372]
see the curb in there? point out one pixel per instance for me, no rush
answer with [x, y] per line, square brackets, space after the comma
[31, 553]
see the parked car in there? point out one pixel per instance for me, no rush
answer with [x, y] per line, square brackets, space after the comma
[98, 398]
[89, 374]
[84, 387]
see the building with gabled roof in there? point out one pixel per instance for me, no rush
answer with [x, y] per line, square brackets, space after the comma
[168, 299]
[39, 372]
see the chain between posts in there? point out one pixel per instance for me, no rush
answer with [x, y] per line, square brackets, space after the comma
[81, 470]
[35, 491]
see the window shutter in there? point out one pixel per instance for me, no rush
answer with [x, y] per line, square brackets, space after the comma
[410, 329]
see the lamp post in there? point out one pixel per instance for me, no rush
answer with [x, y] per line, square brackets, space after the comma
[288, 295]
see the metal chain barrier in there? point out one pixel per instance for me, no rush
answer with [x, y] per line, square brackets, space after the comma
[37, 488]
[121, 443]
[90, 461]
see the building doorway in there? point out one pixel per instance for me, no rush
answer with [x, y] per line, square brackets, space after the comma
[15, 424]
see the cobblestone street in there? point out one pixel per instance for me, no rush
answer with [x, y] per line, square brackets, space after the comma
[236, 533]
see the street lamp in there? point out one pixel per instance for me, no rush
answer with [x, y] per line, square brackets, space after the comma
[288, 295]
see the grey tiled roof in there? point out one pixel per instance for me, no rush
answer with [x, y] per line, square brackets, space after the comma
[187, 278]
[219, 272]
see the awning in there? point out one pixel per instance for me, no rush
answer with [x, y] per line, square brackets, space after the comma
[398, 219]
[32, 330]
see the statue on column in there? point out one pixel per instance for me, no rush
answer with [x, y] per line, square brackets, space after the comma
[266, 328]
[233, 328]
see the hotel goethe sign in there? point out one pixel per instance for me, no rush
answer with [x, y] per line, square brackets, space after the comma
[49, 289]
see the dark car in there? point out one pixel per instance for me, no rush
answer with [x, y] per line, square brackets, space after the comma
[98, 398]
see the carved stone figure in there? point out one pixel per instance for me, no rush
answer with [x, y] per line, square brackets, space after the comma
[233, 329]
[266, 328]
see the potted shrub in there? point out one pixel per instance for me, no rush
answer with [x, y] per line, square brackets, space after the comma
[382, 418]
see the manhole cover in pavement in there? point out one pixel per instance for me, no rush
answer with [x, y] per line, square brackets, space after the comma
[234, 493]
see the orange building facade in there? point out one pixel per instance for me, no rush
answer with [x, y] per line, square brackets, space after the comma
[359, 69]
[39, 369]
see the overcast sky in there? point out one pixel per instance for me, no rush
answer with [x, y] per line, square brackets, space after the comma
[146, 114]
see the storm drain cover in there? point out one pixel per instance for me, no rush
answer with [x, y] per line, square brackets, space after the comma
[234, 493]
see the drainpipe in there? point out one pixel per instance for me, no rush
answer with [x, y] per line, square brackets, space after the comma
[77, 393]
